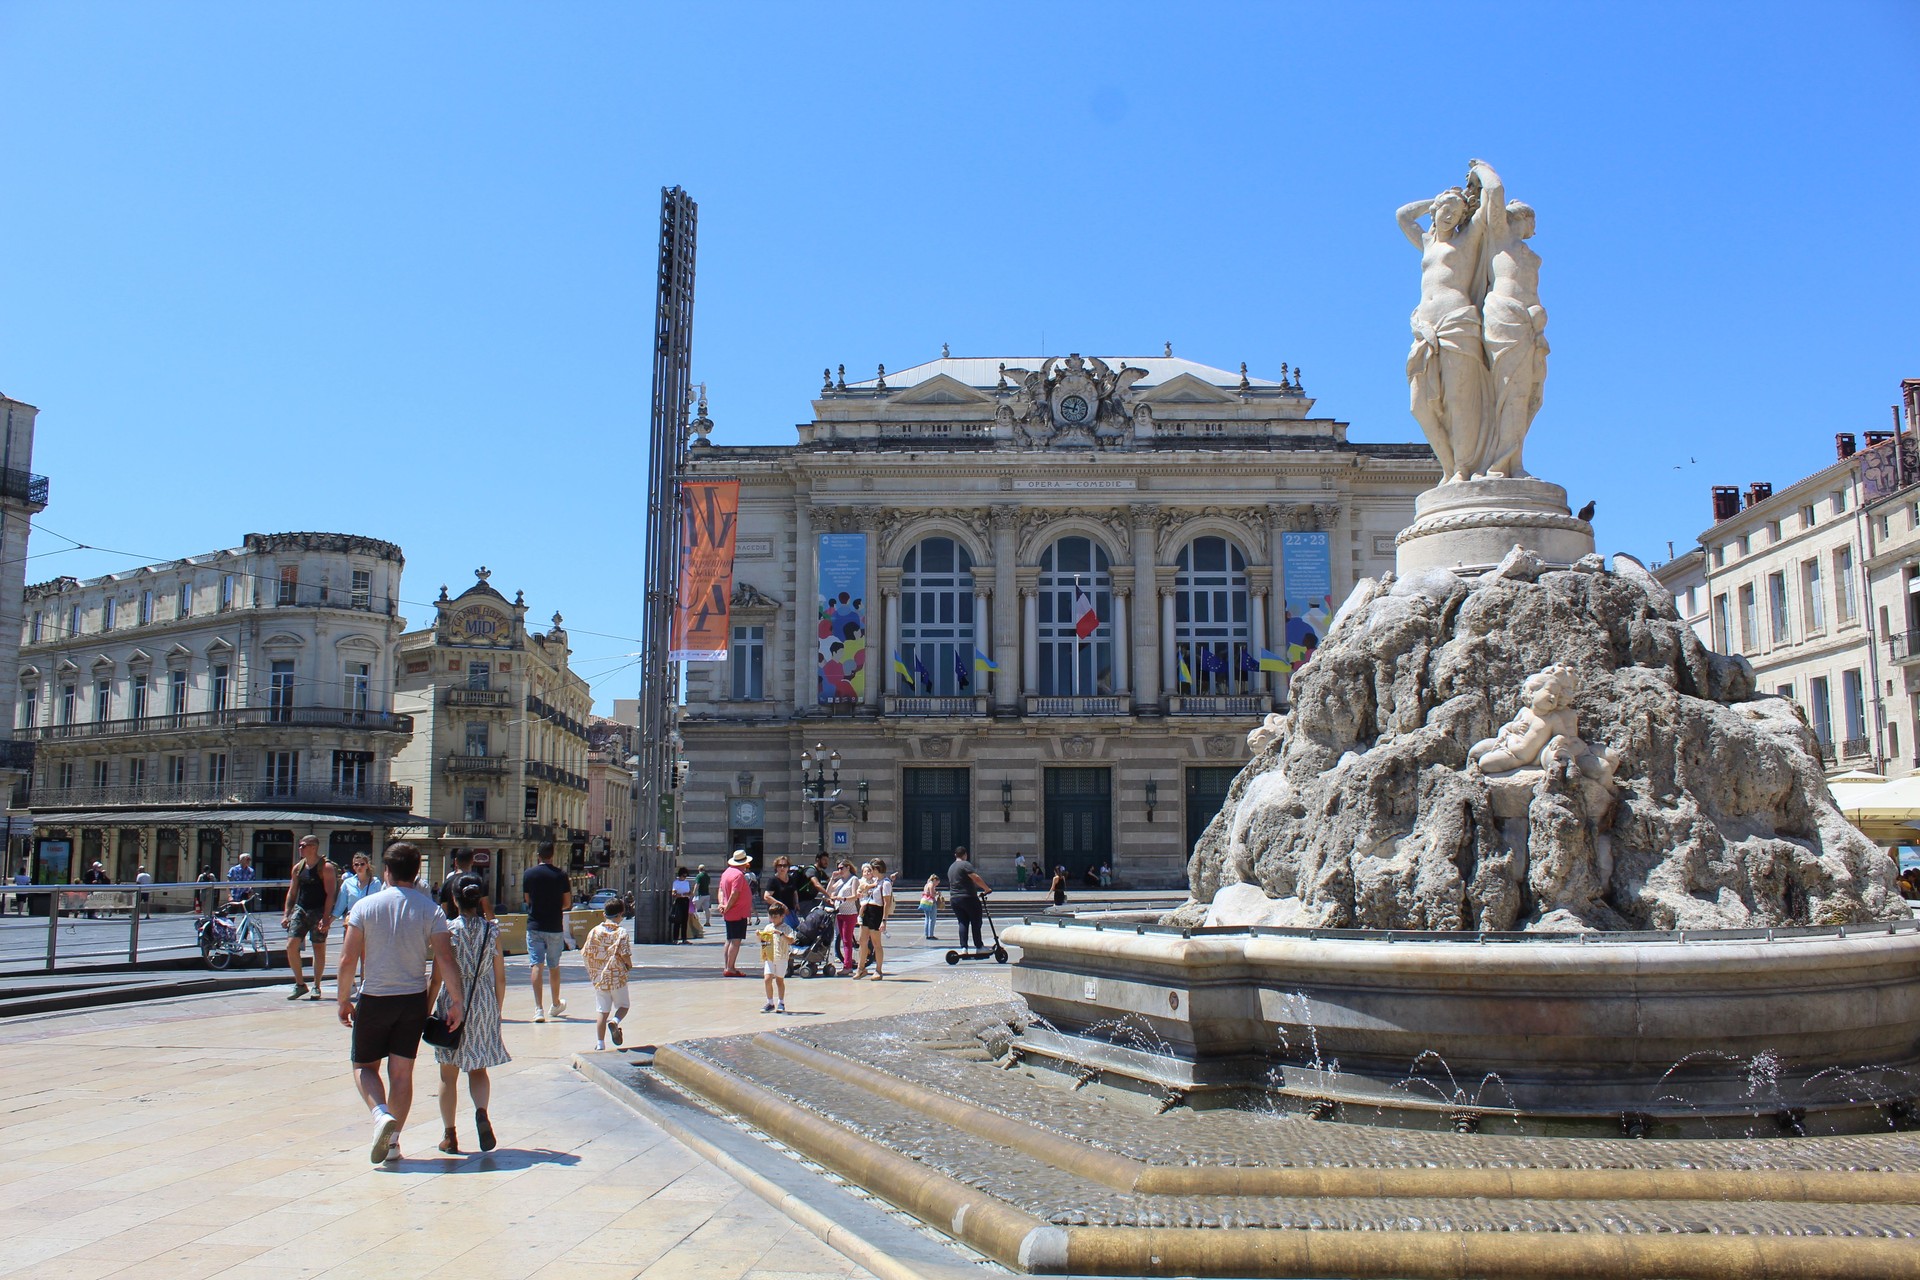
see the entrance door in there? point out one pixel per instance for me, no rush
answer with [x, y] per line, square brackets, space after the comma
[1206, 792]
[1079, 821]
[939, 818]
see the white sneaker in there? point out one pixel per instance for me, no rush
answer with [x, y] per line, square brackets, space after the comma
[539, 1014]
[393, 1152]
[559, 1007]
[599, 1046]
[385, 1130]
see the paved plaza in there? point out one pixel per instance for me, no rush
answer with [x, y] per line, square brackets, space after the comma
[220, 1136]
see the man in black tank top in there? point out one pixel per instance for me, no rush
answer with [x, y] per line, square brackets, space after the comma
[309, 911]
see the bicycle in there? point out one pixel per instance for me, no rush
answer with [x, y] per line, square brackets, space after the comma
[223, 939]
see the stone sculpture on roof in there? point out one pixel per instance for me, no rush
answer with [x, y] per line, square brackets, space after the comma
[1072, 402]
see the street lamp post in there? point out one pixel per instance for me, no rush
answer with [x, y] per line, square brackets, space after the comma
[819, 771]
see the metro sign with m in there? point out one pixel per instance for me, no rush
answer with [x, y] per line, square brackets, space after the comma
[709, 518]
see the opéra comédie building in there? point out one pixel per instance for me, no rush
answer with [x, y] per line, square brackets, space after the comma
[1035, 604]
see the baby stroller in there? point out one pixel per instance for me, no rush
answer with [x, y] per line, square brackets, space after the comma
[813, 937]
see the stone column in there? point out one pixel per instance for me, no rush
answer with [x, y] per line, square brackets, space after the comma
[1120, 639]
[1257, 619]
[1006, 612]
[806, 609]
[892, 602]
[1146, 633]
[1030, 639]
[982, 640]
[1278, 521]
[1169, 669]
[872, 697]
[1332, 516]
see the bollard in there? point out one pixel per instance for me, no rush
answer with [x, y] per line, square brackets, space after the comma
[133, 932]
[53, 925]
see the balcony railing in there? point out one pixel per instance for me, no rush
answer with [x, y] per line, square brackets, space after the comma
[492, 831]
[1256, 704]
[554, 774]
[245, 791]
[233, 718]
[555, 716]
[16, 754]
[1854, 748]
[477, 764]
[502, 698]
[277, 595]
[24, 486]
[1103, 705]
[908, 704]
[1904, 648]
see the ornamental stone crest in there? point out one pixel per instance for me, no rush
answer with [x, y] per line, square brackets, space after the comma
[1078, 747]
[1071, 403]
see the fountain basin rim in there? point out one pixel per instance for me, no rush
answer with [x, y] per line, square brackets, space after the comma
[1453, 937]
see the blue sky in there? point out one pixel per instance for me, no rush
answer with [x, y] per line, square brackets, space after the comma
[334, 267]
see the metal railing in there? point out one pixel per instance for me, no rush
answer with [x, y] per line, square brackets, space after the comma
[459, 697]
[1854, 748]
[242, 791]
[17, 753]
[555, 774]
[476, 764]
[69, 901]
[490, 831]
[555, 716]
[1904, 647]
[24, 486]
[232, 718]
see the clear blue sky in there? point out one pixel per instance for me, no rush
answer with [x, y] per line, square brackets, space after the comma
[388, 269]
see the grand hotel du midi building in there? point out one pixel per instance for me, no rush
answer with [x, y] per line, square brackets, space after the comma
[912, 580]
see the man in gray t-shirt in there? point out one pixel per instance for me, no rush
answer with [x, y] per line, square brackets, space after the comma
[391, 937]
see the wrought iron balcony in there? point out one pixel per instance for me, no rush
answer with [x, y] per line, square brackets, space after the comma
[215, 795]
[553, 773]
[233, 718]
[1854, 748]
[16, 755]
[910, 704]
[491, 831]
[1904, 647]
[477, 764]
[1238, 704]
[1117, 704]
[24, 486]
[460, 697]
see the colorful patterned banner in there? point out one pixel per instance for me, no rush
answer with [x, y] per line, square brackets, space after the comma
[841, 571]
[1306, 564]
[709, 517]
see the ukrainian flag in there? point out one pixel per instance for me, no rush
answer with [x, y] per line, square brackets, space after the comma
[981, 662]
[900, 669]
[1186, 676]
[1270, 661]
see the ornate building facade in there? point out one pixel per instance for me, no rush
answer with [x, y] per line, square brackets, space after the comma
[499, 753]
[188, 711]
[1032, 609]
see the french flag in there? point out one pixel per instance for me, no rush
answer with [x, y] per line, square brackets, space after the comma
[1085, 620]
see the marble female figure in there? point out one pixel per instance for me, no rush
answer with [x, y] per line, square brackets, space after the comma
[1515, 324]
[1446, 368]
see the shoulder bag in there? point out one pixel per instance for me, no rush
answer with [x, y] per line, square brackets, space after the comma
[437, 1033]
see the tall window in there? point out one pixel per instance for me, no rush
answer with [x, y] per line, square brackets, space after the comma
[1813, 595]
[280, 690]
[749, 659]
[66, 775]
[1821, 710]
[936, 617]
[176, 770]
[476, 737]
[1722, 624]
[362, 589]
[289, 587]
[226, 591]
[69, 697]
[1845, 607]
[1749, 619]
[1853, 706]
[99, 774]
[217, 767]
[473, 805]
[30, 706]
[1777, 607]
[1210, 604]
[352, 772]
[33, 632]
[109, 610]
[479, 675]
[137, 686]
[176, 693]
[146, 607]
[283, 772]
[1069, 665]
[183, 608]
[102, 700]
[359, 686]
[137, 772]
[73, 620]
[219, 689]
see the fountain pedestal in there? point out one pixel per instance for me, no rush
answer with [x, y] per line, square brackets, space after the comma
[1468, 526]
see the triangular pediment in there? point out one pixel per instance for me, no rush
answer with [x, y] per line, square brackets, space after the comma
[1186, 389]
[179, 653]
[942, 389]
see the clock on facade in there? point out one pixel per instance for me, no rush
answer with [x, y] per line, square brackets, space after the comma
[1074, 409]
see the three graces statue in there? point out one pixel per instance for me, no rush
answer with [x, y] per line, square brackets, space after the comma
[1479, 359]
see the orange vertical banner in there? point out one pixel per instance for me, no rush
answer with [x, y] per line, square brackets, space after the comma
[709, 514]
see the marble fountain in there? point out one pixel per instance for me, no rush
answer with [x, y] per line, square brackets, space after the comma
[1530, 943]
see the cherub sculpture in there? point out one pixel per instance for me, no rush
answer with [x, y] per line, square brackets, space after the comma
[1546, 730]
[1267, 732]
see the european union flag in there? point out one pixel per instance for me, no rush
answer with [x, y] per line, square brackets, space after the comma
[1211, 663]
[921, 674]
[959, 671]
[1248, 663]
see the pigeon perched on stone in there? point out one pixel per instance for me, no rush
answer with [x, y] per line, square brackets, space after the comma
[1586, 512]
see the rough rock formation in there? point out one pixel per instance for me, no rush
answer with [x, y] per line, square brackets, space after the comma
[1363, 811]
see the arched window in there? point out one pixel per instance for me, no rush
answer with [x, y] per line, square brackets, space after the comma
[1072, 666]
[936, 618]
[1210, 618]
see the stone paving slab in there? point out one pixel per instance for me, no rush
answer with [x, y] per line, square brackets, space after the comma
[220, 1136]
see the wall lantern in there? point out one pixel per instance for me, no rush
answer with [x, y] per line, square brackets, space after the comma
[1153, 797]
[863, 799]
[1006, 799]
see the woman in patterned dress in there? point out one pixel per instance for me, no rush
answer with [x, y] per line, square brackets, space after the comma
[483, 976]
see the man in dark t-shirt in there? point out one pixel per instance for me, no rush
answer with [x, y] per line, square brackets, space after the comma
[448, 895]
[549, 898]
[965, 889]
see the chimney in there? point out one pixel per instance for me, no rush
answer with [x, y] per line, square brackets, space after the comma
[1726, 502]
[1878, 437]
[1758, 491]
[1843, 445]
